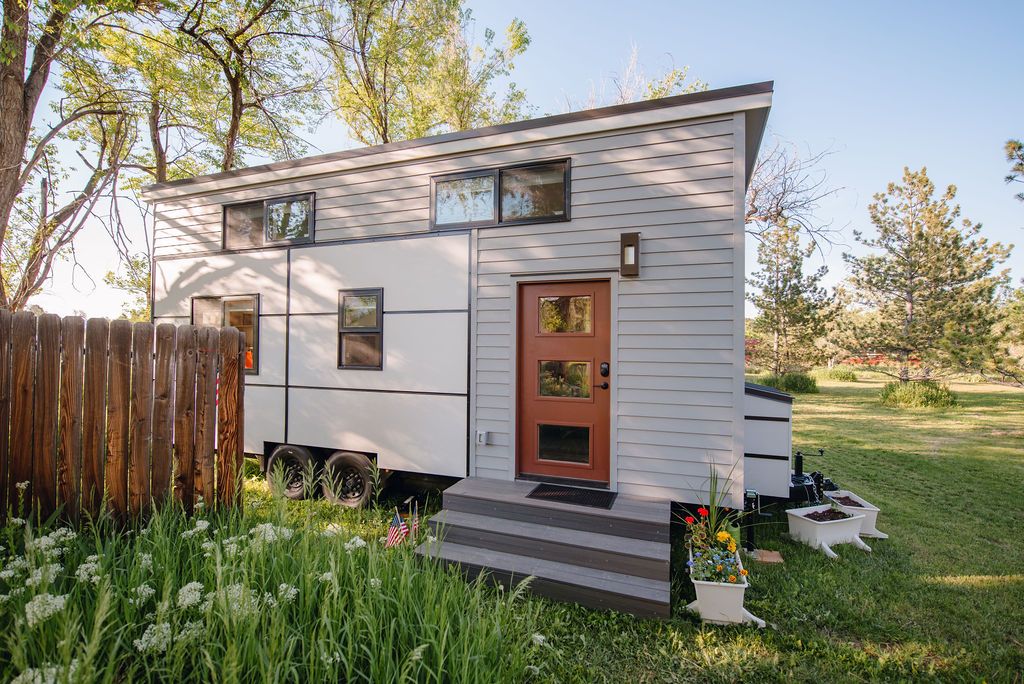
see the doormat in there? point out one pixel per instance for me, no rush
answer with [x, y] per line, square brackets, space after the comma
[573, 495]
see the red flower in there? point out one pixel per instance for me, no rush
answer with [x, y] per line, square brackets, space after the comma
[690, 520]
[703, 512]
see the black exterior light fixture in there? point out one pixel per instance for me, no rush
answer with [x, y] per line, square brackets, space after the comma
[629, 254]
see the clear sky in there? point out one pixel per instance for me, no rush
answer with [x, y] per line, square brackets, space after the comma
[881, 84]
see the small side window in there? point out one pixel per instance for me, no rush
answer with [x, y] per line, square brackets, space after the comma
[241, 312]
[361, 329]
[463, 200]
[289, 219]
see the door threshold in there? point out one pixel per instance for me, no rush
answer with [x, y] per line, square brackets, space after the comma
[565, 481]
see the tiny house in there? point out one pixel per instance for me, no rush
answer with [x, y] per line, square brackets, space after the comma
[556, 300]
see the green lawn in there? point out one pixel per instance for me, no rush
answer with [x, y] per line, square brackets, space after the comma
[942, 599]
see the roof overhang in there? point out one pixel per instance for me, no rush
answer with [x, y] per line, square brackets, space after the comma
[753, 99]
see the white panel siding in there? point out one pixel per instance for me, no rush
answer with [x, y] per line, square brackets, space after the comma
[264, 417]
[425, 274]
[176, 281]
[410, 432]
[422, 353]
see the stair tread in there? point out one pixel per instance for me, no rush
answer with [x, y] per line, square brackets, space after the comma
[608, 543]
[653, 512]
[657, 591]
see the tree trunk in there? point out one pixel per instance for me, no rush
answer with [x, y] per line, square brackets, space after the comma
[235, 124]
[13, 131]
[159, 153]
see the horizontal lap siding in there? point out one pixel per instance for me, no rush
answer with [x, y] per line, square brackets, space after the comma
[675, 333]
[624, 167]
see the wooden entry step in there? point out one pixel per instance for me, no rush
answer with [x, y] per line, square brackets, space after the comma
[616, 559]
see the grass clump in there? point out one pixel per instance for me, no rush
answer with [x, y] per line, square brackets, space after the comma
[837, 373]
[800, 383]
[920, 394]
[249, 595]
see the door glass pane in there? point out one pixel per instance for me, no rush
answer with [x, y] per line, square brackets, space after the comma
[565, 314]
[243, 225]
[241, 314]
[565, 379]
[535, 192]
[359, 311]
[464, 200]
[288, 219]
[361, 350]
[566, 443]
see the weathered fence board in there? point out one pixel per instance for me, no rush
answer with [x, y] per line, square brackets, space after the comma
[96, 414]
[5, 405]
[69, 446]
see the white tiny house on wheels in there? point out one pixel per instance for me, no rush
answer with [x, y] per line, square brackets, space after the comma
[559, 299]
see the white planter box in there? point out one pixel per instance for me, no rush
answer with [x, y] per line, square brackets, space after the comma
[870, 511]
[824, 535]
[721, 603]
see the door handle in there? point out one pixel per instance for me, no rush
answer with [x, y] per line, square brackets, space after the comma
[603, 385]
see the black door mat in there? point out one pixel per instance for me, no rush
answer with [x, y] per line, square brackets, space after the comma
[573, 495]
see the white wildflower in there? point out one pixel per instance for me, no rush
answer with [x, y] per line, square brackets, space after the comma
[44, 574]
[51, 545]
[354, 543]
[47, 674]
[237, 600]
[190, 595]
[208, 548]
[375, 582]
[286, 593]
[431, 539]
[22, 486]
[327, 577]
[42, 607]
[332, 530]
[146, 562]
[539, 639]
[269, 600]
[328, 658]
[268, 533]
[143, 593]
[156, 638]
[417, 653]
[382, 540]
[14, 567]
[17, 522]
[200, 504]
[89, 570]
[190, 631]
[14, 593]
[200, 527]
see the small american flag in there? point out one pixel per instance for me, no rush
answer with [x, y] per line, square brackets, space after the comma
[416, 519]
[397, 532]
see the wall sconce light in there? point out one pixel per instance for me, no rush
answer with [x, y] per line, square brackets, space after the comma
[629, 254]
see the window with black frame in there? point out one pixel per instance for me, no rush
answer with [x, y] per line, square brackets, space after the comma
[281, 220]
[361, 329]
[527, 193]
[240, 312]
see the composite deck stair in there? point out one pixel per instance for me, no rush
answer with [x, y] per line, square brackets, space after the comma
[616, 559]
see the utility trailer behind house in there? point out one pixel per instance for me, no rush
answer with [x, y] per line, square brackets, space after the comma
[557, 300]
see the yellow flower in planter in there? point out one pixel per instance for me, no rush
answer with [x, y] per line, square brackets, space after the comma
[724, 536]
[732, 547]
[732, 578]
[743, 572]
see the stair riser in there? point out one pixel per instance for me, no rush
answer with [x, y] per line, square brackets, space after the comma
[652, 531]
[591, 598]
[639, 566]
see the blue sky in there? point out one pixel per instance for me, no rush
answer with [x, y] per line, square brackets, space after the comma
[881, 84]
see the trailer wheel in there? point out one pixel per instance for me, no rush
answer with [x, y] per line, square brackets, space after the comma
[293, 462]
[348, 479]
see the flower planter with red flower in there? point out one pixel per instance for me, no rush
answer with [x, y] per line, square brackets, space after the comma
[822, 527]
[849, 502]
[718, 576]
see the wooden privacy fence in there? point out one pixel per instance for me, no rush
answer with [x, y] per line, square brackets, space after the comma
[110, 410]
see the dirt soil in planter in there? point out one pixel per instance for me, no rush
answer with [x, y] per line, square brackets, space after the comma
[846, 501]
[825, 516]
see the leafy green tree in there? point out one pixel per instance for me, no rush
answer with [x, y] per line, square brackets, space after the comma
[931, 279]
[1015, 155]
[134, 280]
[791, 304]
[408, 68]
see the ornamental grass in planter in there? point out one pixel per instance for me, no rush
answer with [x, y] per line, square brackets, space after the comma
[718, 576]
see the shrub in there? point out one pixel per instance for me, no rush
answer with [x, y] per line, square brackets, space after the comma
[921, 394]
[800, 383]
[838, 373]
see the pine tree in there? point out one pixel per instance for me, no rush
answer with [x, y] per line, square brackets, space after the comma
[791, 305]
[931, 280]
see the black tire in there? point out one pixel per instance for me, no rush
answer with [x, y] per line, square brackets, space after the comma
[294, 461]
[348, 479]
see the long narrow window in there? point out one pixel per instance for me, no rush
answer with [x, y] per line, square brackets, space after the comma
[527, 193]
[361, 329]
[241, 312]
[282, 220]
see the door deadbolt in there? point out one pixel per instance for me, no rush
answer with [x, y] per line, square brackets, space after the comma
[604, 369]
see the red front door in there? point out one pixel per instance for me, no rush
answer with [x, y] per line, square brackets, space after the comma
[564, 380]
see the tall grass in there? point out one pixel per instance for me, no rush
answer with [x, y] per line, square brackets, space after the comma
[801, 383]
[838, 373]
[251, 596]
[920, 394]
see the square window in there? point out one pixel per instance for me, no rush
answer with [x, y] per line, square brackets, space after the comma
[243, 225]
[361, 329]
[289, 219]
[240, 312]
[460, 201]
[533, 193]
